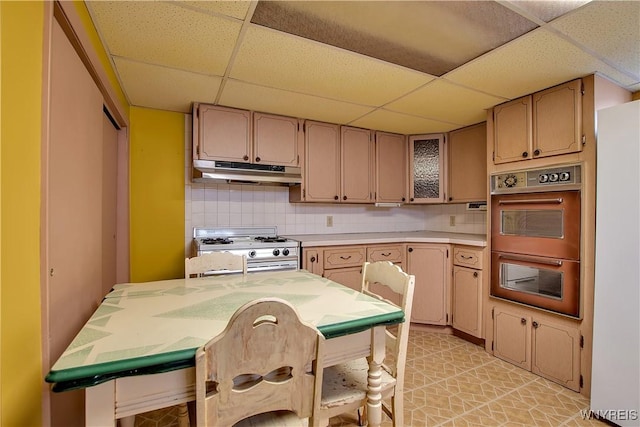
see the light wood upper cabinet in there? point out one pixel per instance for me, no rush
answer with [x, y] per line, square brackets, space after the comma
[222, 133]
[430, 264]
[391, 168]
[275, 140]
[356, 168]
[321, 163]
[467, 164]
[547, 123]
[427, 173]
[230, 134]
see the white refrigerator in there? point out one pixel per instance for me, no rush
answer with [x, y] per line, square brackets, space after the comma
[615, 388]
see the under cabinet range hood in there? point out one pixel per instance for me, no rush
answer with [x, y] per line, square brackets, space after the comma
[245, 173]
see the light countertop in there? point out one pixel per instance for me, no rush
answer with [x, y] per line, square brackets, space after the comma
[309, 240]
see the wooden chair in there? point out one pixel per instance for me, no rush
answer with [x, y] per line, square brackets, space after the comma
[214, 261]
[344, 386]
[265, 368]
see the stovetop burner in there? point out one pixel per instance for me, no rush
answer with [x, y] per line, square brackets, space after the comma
[270, 239]
[216, 241]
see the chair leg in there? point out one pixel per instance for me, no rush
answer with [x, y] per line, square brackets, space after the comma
[398, 410]
[183, 415]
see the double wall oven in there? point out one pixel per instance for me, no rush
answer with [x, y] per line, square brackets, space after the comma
[535, 237]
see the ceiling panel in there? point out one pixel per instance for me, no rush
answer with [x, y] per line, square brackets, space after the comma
[166, 34]
[165, 88]
[444, 101]
[545, 10]
[234, 9]
[535, 61]
[259, 98]
[274, 59]
[391, 121]
[610, 29]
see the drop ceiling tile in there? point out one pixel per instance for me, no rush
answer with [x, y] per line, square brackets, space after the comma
[234, 9]
[441, 100]
[535, 61]
[546, 10]
[259, 98]
[165, 88]
[278, 60]
[165, 34]
[610, 29]
[390, 121]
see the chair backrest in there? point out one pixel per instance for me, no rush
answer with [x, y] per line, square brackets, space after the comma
[266, 359]
[214, 261]
[381, 275]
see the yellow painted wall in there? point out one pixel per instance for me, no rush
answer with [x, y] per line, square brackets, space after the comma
[21, 36]
[157, 157]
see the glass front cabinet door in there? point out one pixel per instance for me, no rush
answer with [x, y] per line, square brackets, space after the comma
[427, 166]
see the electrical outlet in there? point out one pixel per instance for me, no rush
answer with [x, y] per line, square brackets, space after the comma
[329, 221]
[452, 220]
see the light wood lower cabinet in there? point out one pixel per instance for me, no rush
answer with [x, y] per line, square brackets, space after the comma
[342, 264]
[546, 348]
[431, 265]
[467, 288]
[350, 277]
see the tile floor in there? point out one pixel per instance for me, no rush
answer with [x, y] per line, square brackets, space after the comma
[451, 382]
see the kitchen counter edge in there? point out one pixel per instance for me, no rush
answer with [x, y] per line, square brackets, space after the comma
[312, 240]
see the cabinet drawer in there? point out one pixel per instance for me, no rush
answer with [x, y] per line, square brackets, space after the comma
[393, 253]
[468, 257]
[344, 257]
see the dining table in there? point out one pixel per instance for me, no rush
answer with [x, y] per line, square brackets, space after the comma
[136, 353]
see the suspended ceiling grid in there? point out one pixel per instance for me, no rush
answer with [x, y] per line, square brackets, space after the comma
[407, 67]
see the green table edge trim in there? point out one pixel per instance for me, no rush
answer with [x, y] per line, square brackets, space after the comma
[92, 375]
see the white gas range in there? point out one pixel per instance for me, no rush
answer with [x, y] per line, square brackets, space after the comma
[264, 249]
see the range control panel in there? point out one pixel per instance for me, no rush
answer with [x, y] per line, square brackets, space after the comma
[532, 180]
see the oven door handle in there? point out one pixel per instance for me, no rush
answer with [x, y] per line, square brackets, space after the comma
[555, 262]
[557, 201]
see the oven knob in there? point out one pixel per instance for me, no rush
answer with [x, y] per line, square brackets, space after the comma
[285, 252]
[510, 181]
[252, 254]
[276, 252]
[553, 177]
[542, 178]
[564, 176]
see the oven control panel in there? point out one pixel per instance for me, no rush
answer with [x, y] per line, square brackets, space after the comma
[531, 180]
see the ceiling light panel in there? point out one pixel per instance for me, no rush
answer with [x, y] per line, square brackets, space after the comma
[433, 37]
[282, 61]
[444, 101]
[164, 88]
[535, 61]
[390, 121]
[259, 98]
[165, 34]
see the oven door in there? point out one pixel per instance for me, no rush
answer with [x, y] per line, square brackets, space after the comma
[545, 224]
[549, 283]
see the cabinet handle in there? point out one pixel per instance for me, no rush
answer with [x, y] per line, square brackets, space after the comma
[536, 152]
[385, 253]
[257, 159]
[525, 154]
[344, 197]
[450, 199]
[466, 256]
[345, 257]
[410, 249]
[535, 324]
[523, 321]
[313, 259]
[403, 199]
[245, 157]
[411, 199]
[475, 274]
[336, 198]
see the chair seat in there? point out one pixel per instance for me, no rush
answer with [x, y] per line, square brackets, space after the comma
[274, 419]
[347, 383]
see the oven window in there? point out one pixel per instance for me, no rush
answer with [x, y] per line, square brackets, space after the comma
[532, 280]
[532, 223]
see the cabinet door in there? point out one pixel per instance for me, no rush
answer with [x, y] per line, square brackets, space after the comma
[275, 140]
[512, 139]
[322, 162]
[431, 267]
[393, 253]
[344, 256]
[557, 120]
[350, 277]
[391, 167]
[426, 166]
[556, 353]
[466, 300]
[223, 133]
[312, 261]
[356, 168]
[512, 338]
[467, 164]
